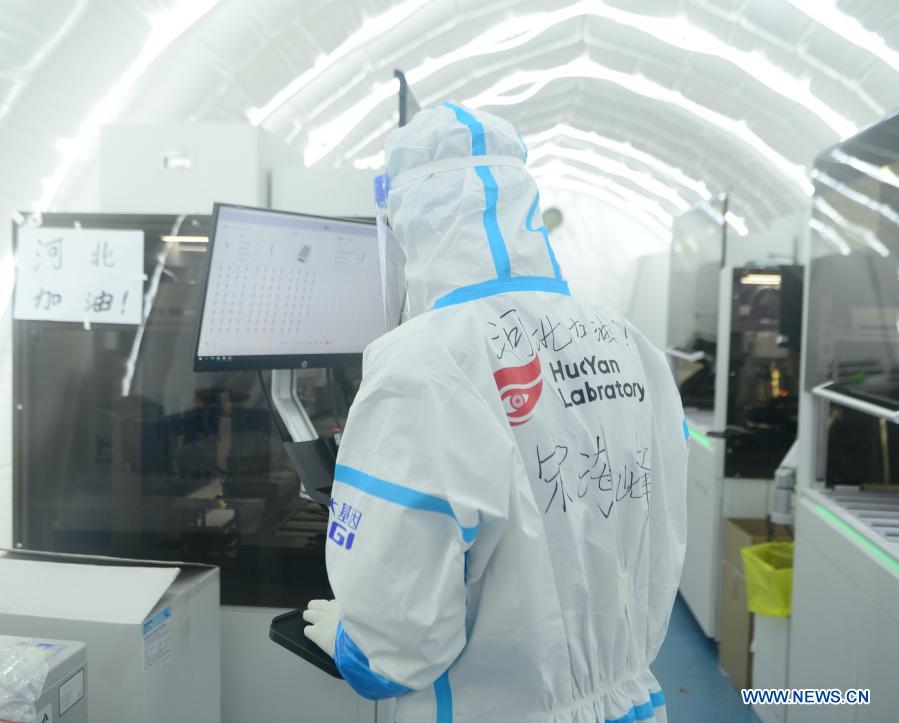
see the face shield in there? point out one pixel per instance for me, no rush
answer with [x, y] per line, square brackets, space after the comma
[393, 260]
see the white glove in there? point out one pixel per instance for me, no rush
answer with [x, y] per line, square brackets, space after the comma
[324, 618]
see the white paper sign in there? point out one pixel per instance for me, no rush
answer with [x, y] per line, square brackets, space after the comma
[82, 275]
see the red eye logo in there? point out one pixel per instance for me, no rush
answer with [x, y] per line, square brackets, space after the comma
[519, 390]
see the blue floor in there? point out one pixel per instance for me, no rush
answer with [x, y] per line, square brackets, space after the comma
[696, 691]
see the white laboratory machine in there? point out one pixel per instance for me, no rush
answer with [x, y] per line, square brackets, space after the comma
[845, 622]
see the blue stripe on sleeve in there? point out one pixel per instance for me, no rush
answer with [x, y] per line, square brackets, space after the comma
[443, 694]
[644, 711]
[686, 430]
[353, 666]
[403, 496]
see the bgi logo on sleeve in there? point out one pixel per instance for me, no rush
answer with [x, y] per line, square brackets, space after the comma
[344, 522]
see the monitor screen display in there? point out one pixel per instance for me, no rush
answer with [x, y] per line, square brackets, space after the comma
[285, 290]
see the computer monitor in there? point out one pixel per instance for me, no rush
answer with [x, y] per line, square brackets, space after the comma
[285, 290]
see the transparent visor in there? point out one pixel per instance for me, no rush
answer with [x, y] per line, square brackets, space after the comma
[392, 258]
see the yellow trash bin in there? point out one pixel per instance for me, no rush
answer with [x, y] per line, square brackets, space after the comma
[769, 577]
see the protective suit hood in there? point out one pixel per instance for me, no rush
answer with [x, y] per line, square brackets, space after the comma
[463, 238]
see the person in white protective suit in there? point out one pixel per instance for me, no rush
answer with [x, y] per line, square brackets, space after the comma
[507, 522]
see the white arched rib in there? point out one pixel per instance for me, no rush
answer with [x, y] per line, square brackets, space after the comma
[827, 14]
[622, 149]
[634, 199]
[551, 180]
[517, 31]
[519, 87]
[606, 167]
[18, 84]
[370, 30]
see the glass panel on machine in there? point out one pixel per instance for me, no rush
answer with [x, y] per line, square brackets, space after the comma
[121, 449]
[763, 399]
[853, 318]
[697, 249]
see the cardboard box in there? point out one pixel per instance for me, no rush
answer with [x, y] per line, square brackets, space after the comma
[736, 628]
[152, 630]
[770, 655]
[734, 654]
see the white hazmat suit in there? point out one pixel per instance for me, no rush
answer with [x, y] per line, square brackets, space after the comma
[507, 521]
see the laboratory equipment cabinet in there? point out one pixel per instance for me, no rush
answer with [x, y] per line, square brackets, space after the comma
[845, 627]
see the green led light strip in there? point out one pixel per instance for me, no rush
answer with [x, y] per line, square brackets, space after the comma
[701, 438]
[875, 551]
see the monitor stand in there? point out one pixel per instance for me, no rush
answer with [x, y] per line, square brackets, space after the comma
[313, 458]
